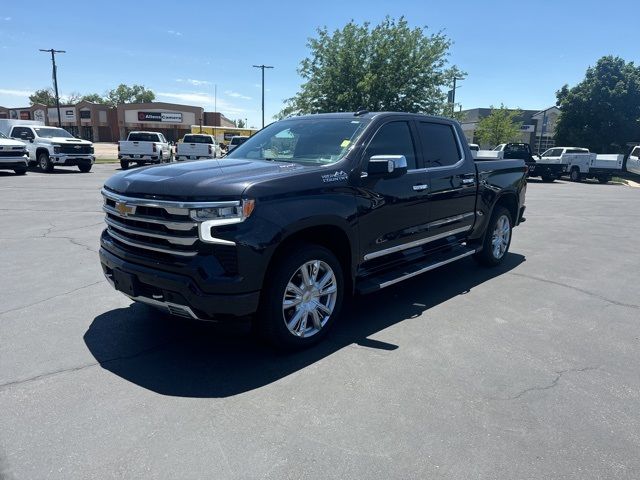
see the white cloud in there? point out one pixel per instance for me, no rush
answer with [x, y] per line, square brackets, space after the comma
[204, 100]
[173, 32]
[233, 94]
[191, 81]
[15, 93]
[7, 19]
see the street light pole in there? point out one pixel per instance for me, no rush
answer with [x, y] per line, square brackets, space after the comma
[55, 79]
[262, 67]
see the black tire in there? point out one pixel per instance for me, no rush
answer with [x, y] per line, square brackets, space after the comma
[85, 167]
[548, 179]
[44, 163]
[20, 171]
[604, 180]
[574, 176]
[124, 164]
[487, 255]
[272, 316]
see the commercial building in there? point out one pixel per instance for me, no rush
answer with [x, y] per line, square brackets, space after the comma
[102, 123]
[532, 131]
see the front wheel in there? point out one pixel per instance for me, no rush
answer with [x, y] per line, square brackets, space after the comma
[497, 238]
[20, 171]
[575, 174]
[84, 167]
[548, 179]
[45, 163]
[604, 179]
[303, 299]
[124, 164]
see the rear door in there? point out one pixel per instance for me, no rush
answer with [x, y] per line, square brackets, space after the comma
[452, 180]
[393, 211]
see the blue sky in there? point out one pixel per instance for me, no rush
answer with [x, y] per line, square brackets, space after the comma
[515, 52]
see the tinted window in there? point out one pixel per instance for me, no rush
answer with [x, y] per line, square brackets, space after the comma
[143, 137]
[50, 132]
[393, 139]
[238, 140]
[636, 152]
[439, 143]
[22, 132]
[576, 150]
[197, 139]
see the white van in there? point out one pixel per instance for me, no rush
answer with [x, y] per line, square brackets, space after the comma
[633, 162]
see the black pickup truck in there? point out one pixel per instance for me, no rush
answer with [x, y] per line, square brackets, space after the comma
[307, 210]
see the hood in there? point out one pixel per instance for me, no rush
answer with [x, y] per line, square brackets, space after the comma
[62, 140]
[200, 180]
[6, 142]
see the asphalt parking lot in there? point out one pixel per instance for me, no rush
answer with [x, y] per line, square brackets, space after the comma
[525, 371]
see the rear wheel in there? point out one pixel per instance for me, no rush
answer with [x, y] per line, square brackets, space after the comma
[124, 164]
[497, 238]
[20, 170]
[575, 174]
[604, 179]
[548, 179]
[303, 298]
[44, 162]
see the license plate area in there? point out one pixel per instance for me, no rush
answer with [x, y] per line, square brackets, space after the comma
[125, 282]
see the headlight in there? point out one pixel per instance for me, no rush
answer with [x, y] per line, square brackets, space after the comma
[227, 214]
[56, 149]
[91, 150]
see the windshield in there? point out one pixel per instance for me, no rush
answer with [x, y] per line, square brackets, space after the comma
[197, 139]
[310, 141]
[2, 135]
[52, 132]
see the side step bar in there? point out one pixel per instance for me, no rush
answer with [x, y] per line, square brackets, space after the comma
[378, 282]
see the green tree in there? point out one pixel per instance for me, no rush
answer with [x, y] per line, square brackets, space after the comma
[500, 126]
[45, 96]
[129, 94]
[602, 112]
[240, 123]
[387, 67]
[93, 97]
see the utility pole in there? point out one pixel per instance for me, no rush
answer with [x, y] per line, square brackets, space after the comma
[262, 67]
[451, 95]
[55, 79]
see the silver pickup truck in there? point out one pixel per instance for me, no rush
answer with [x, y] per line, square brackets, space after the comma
[13, 155]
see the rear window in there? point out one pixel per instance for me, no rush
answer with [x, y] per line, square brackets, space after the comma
[143, 137]
[238, 140]
[520, 149]
[197, 139]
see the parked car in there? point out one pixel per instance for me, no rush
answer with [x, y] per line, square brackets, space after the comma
[601, 167]
[633, 162]
[522, 151]
[357, 203]
[13, 155]
[144, 148]
[197, 146]
[235, 141]
[554, 161]
[50, 147]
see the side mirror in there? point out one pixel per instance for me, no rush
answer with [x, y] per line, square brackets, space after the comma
[387, 165]
[31, 140]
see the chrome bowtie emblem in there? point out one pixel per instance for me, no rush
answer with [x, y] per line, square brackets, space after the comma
[124, 209]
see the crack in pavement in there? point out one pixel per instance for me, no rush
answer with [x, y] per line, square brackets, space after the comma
[85, 366]
[586, 292]
[553, 383]
[51, 298]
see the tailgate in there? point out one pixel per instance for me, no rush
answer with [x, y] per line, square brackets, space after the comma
[193, 149]
[137, 148]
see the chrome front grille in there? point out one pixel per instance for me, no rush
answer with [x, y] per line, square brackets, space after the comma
[155, 226]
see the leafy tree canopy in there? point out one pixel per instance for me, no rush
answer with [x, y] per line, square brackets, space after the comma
[129, 94]
[602, 112]
[387, 67]
[499, 127]
[45, 96]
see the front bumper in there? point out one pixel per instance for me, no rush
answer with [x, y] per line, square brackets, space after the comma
[13, 162]
[175, 293]
[71, 160]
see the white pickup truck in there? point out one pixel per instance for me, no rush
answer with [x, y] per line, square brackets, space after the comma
[49, 147]
[633, 162]
[195, 146]
[601, 167]
[143, 148]
[13, 155]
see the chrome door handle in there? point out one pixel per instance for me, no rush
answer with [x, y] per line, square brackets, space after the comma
[468, 181]
[420, 187]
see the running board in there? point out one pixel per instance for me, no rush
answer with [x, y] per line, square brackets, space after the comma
[378, 282]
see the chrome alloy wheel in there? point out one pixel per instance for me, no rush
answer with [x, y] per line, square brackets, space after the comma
[501, 237]
[309, 298]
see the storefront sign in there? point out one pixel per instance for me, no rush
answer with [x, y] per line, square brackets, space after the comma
[166, 117]
[38, 115]
[527, 128]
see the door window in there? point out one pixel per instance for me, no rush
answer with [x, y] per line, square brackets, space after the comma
[22, 133]
[393, 138]
[636, 152]
[440, 145]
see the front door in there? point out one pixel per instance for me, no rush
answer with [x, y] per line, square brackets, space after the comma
[452, 181]
[393, 210]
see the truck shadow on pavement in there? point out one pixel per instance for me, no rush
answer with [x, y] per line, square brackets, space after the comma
[207, 360]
